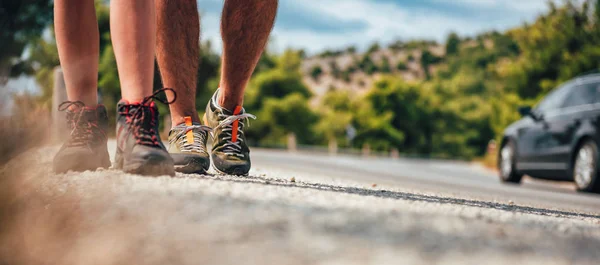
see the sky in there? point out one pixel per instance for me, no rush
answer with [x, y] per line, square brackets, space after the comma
[315, 25]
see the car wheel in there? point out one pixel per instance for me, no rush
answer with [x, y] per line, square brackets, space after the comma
[585, 168]
[506, 164]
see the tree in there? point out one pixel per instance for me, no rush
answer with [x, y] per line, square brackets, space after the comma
[396, 45]
[385, 65]
[367, 65]
[428, 59]
[452, 44]
[278, 82]
[21, 22]
[336, 113]
[290, 114]
[278, 95]
[401, 66]
[316, 72]
[373, 48]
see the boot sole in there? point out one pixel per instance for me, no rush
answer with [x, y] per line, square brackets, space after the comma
[190, 164]
[145, 168]
[235, 172]
[192, 167]
[149, 170]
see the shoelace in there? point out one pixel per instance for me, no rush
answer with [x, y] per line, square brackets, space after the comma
[199, 138]
[82, 131]
[233, 147]
[144, 130]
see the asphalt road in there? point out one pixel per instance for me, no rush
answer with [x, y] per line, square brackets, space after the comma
[293, 208]
[451, 178]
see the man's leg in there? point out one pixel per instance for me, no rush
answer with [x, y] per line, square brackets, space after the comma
[177, 53]
[245, 29]
[139, 148]
[77, 39]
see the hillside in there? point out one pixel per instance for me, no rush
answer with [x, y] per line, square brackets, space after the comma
[350, 70]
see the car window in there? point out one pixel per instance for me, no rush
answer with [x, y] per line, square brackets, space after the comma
[582, 95]
[554, 100]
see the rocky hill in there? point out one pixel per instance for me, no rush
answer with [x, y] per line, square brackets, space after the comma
[355, 71]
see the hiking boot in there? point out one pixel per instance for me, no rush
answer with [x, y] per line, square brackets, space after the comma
[187, 146]
[86, 147]
[230, 153]
[139, 148]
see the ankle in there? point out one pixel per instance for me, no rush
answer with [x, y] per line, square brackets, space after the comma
[181, 119]
[229, 102]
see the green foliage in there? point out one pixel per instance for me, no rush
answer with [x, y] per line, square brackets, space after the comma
[373, 48]
[367, 65]
[330, 53]
[316, 72]
[396, 46]
[21, 22]
[418, 44]
[401, 66]
[452, 44]
[277, 83]
[385, 65]
[280, 98]
[290, 114]
[346, 76]
[428, 59]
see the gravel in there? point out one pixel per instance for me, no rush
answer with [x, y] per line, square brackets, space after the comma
[272, 217]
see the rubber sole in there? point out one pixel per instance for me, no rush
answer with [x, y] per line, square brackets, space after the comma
[146, 168]
[225, 173]
[150, 170]
[192, 167]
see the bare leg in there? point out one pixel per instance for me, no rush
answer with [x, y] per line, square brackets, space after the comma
[77, 39]
[177, 50]
[133, 33]
[245, 28]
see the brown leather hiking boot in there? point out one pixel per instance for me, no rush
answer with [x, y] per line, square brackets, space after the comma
[86, 147]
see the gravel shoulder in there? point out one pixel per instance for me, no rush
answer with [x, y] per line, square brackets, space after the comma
[271, 217]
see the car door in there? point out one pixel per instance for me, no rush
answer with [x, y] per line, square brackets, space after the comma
[561, 125]
[535, 140]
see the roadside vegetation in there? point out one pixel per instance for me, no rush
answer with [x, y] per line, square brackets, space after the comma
[419, 97]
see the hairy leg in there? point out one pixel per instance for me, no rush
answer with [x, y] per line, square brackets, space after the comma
[77, 39]
[245, 29]
[133, 33]
[177, 50]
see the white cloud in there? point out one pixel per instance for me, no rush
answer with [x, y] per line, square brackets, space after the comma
[388, 21]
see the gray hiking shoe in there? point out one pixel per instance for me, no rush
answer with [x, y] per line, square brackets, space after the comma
[187, 147]
[229, 152]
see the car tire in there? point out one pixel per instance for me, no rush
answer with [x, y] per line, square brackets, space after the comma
[585, 167]
[507, 164]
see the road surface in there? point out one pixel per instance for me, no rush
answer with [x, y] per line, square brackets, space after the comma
[294, 208]
[452, 178]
